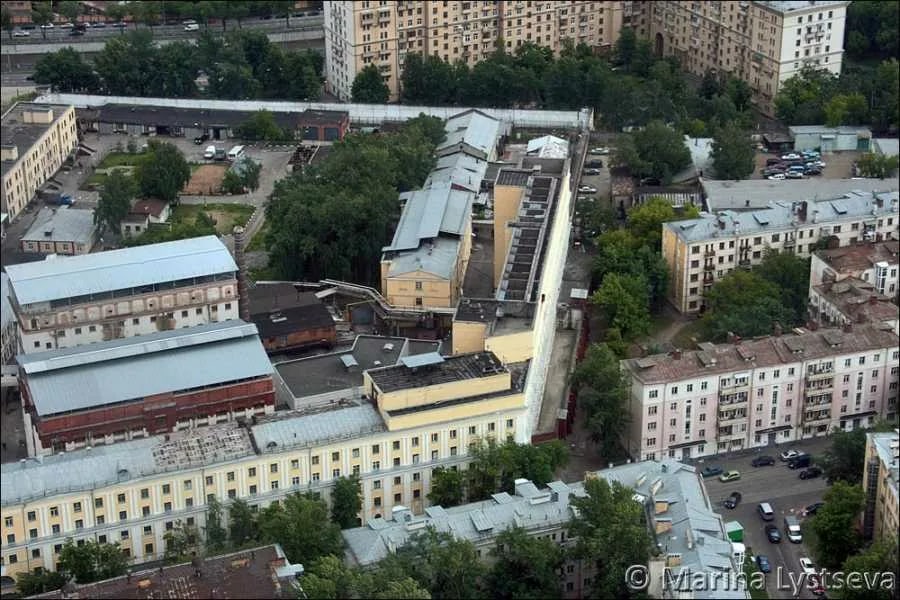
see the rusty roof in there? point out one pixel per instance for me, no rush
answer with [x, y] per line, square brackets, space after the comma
[760, 352]
[860, 257]
[858, 300]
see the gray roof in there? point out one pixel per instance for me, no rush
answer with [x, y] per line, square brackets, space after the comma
[7, 314]
[103, 465]
[814, 129]
[687, 508]
[471, 128]
[73, 276]
[887, 146]
[14, 131]
[758, 193]
[779, 216]
[106, 373]
[62, 224]
[888, 455]
[548, 146]
[275, 434]
[791, 5]
[459, 169]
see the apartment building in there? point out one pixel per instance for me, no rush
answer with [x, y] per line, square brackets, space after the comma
[754, 393]
[133, 492]
[701, 251]
[144, 385]
[36, 139]
[382, 33]
[855, 284]
[72, 301]
[679, 516]
[763, 43]
[881, 479]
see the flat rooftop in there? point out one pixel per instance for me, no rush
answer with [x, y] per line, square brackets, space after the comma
[860, 257]
[758, 193]
[451, 369]
[14, 131]
[62, 224]
[327, 372]
[180, 116]
[262, 572]
[786, 6]
[513, 177]
[476, 311]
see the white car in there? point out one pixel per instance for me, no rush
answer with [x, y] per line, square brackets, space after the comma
[67, 26]
[806, 564]
[586, 189]
[602, 150]
[791, 156]
[21, 34]
[47, 26]
[592, 171]
[789, 454]
[776, 177]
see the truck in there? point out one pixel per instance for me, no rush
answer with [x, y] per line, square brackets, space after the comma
[735, 531]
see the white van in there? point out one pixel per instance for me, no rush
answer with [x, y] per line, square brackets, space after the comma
[210, 152]
[191, 26]
[235, 153]
[792, 526]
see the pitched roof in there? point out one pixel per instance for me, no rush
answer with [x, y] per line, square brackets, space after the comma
[62, 224]
[472, 129]
[72, 276]
[83, 377]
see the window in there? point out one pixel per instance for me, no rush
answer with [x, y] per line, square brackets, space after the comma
[452, 434]
[335, 473]
[335, 456]
[76, 507]
[123, 515]
[167, 506]
[396, 461]
[123, 534]
[315, 460]
[166, 488]
[273, 468]
[148, 548]
[145, 511]
[251, 472]
[187, 484]
[295, 464]
[651, 410]
[509, 423]
[55, 529]
[653, 394]
[32, 533]
[396, 444]
[209, 481]
[32, 516]
[674, 389]
[54, 510]
[8, 522]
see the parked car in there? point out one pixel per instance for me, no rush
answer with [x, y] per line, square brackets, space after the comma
[201, 138]
[711, 471]
[773, 533]
[586, 189]
[47, 26]
[790, 156]
[810, 473]
[67, 25]
[651, 181]
[800, 462]
[794, 175]
[789, 454]
[776, 177]
[76, 33]
[807, 565]
[772, 161]
[733, 500]
[21, 34]
[813, 171]
[29, 26]
[120, 24]
[762, 561]
[99, 25]
[729, 476]
[601, 150]
[766, 512]
[762, 461]
[591, 171]
[812, 509]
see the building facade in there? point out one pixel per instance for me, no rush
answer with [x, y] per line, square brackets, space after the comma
[763, 43]
[701, 251]
[754, 393]
[358, 34]
[66, 302]
[133, 492]
[64, 231]
[36, 140]
[213, 373]
[881, 478]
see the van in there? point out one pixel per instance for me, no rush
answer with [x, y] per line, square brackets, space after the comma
[792, 527]
[191, 26]
[766, 512]
[800, 462]
[235, 153]
[210, 152]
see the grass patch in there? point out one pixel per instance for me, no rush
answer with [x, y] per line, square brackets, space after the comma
[749, 570]
[226, 216]
[119, 159]
[258, 243]
[694, 329]
[263, 274]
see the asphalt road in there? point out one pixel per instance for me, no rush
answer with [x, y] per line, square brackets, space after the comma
[787, 493]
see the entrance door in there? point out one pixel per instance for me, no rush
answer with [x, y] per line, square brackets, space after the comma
[685, 454]
[772, 437]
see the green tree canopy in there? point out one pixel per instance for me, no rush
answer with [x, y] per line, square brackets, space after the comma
[115, 201]
[448, 567]
[744, 303]
[42, 14]
[328, 578]
[346, 502]
[791, 274]
[66, 71]
[6, 23]
[879, 561]
[844, 460]
[92, 561]
[524, 567]
[447, 487]
[625, 303]
[243, 527]
[301, 525]
[603, 390]
[732, 153]
[645, 220]
[39, 581]
[835, 523]
[162, 172]
[878, 166]
[216, 535]
[495, 467]
[369, 87]
[262, 126]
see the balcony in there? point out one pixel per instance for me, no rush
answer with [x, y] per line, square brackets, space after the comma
[709, 252]
[744, 263]
[731, 417]
[732, 436]
[789, 243]
[817, 418]
[709, 267]
[734, 386]
[819, 375]
[819, 390]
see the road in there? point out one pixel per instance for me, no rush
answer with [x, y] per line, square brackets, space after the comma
[787, 493]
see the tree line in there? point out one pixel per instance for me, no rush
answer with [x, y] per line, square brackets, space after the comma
[242, 65]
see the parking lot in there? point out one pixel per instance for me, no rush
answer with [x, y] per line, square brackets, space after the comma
[787, 493]
[838, 165]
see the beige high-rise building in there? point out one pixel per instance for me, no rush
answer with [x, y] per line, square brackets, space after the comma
[382, 33]
[763, 43]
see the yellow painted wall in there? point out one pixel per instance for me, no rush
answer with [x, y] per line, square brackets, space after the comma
[468, 337]
[675, 253]
[401, 290]
[420, 396]
[453, 413]
[514, 347]
[507, 200]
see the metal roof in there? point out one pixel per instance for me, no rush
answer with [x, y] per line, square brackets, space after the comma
[106, 373]
[473, 128]
[68, 277]
[62, 224]
[759, 193]
[278, 433]
[421, 360]
[822, 129]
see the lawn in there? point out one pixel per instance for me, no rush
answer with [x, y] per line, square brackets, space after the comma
[258, 241]
[226, 216]
[119, 159]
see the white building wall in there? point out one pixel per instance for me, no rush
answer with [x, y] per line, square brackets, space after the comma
[821, 47]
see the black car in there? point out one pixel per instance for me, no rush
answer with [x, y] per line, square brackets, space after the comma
[800, 462]
[773, 534]
[201, 138]
[76, 33]
[810, 473]
[763, 461]
[711, 471]
[812, 509]
[733, 500]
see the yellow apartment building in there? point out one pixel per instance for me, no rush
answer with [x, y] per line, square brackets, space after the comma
[509, 191]
[34, 141]
[425, 265]
[421, 414]
[382, 33]
[880, 483]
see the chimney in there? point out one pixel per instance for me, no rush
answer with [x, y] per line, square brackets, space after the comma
[802, 211]
[731, 338]
[676, 353]
[243, 292]
[815, 216]
[777, 329]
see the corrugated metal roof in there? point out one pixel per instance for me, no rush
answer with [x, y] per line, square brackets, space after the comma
[62, 224]
[473, 128]
[354, 421]
[110, 372]
[73, 276]
[421, 360]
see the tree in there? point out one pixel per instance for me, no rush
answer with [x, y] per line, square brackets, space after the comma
[346, 502]
[182, 541]
[835, 524]
[301, 525]
[177, 71]
[844, 460]
[6, 21]
[216, 536]
[744, 303]
[66, 71]
[116, 12]
[878, 166]
[426, 80]
[791, 274]
[881, 558]
[603, 391]
[129, 65]
[624, 300]
[262, 126]
[70, 9]
[232, 183]
[147, 12]
[329, 578]
[42, 14]
[871, 29]
[448, 567]
[162, 172]
[232, 81]
[92, 561]
[524, 567]
[495, 467]
[732, 154]
[250, 175]
[612, 534]
[645, 220]
[39, 581]
[369, 87]
[243, 527]
[115, 201]
[446, 487]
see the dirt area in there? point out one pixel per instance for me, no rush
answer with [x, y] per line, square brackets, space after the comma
[838, 165]
[207, 179]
